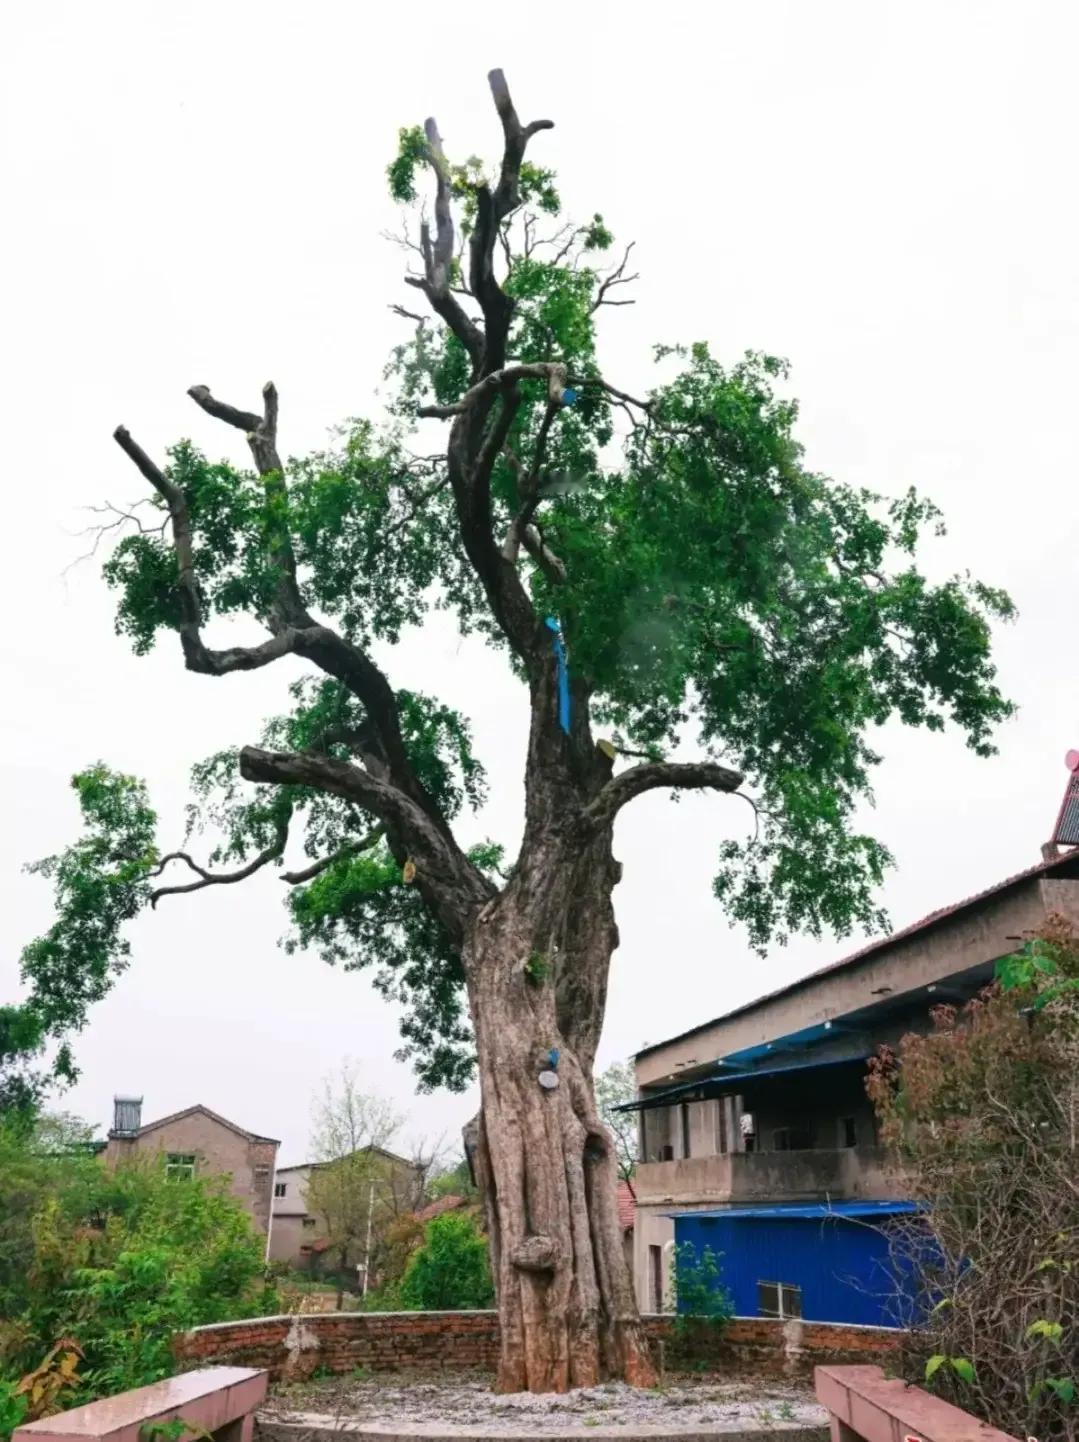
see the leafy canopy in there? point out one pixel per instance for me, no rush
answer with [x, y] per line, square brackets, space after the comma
[712, 589]
[99, 883]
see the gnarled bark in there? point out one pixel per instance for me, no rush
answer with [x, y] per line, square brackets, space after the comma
[537, 960]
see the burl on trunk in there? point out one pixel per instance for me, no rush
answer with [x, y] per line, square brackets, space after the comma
[537, 960]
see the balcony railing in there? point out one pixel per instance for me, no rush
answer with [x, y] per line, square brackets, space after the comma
[847, 1173]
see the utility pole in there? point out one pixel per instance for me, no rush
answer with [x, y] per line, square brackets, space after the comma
[367, 1246]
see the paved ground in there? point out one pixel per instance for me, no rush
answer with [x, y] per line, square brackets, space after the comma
[429, 1405]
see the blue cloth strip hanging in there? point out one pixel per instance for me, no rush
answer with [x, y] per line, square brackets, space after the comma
[563, 673]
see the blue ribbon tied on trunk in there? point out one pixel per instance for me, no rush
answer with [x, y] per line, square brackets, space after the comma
[563, 672]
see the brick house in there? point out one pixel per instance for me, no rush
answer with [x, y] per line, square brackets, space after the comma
[198, 1142]
[298, 1234]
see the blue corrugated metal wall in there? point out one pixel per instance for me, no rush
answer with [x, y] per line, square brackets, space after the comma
[841, 1265]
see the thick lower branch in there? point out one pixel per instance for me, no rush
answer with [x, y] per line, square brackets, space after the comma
[450, 884]
[658, 775]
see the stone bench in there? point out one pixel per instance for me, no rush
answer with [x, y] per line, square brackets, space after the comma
[865, 1406]
[218, 1400]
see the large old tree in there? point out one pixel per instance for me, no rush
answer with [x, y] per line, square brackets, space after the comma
[659, 572]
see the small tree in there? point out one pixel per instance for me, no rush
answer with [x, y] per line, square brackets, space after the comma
[702, 1304]
[614, 1087]
[450, 1271]
[983, 1113]
[354, 1188]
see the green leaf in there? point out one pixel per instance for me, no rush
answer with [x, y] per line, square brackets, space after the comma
[933, 1366]
[963, 1368]
[1051, 1331]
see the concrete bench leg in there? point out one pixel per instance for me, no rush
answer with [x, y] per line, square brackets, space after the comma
[242, 1430]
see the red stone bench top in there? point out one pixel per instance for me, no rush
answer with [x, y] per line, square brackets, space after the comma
[212, 1398]
[864, 1404]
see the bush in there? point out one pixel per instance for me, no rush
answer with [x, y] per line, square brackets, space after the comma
[116, 1261]
[450, 1271]
[703, 1306]
[984, 1115]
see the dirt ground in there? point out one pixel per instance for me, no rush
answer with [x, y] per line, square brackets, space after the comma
[437, 1399]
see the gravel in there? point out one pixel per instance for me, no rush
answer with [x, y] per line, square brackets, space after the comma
[402, 1401]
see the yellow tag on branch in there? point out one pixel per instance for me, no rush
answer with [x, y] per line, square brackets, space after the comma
[408, 875]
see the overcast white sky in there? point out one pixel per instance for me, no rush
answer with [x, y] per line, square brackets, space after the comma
[194, 193]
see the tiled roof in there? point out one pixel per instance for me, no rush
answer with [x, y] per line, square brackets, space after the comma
[438, 1206]
[206, 1112]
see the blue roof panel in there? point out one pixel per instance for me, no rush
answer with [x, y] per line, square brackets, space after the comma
[809, 1211]
[717, 1083]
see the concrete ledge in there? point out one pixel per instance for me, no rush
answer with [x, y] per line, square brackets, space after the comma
[866, 1406]
[219, 1400]
[317, 1427]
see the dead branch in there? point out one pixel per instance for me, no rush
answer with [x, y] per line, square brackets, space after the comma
[438, 253]
[197, 655]
[261, 431]
[485, 390]
[617, 277]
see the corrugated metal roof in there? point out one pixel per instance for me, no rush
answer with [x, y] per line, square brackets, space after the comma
[805, 1212]
[1066, 864]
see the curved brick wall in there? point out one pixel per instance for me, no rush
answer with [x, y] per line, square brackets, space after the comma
[295, 1346]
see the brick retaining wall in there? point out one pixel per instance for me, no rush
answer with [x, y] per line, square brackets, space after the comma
[296, 1346]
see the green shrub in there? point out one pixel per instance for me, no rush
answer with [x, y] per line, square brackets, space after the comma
[450, 1271]
[118, 1260]
[13, 1408]
[703, 1306]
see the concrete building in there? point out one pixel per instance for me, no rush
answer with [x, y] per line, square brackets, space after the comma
[759, 1119]
[391, 1187]
[198, 1142]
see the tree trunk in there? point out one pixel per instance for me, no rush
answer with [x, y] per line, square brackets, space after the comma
[536, 961]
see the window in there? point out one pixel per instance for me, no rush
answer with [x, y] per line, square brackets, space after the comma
[179, 1166]
[262, 1174]
[280, 1188]
[792, 1139]
[848, 1132]
[779, 1299]
[685, 1130]
[308, 1223]
[721, 1125]
[655, 1272]
[666, 1152]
